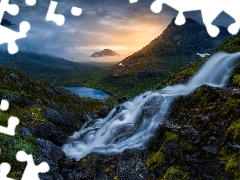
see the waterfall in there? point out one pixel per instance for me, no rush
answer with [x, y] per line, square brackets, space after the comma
[135, 122]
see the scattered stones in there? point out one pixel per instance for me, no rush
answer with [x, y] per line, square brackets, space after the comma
[191, 134]
[211, 149]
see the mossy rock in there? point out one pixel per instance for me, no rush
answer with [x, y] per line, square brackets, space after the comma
[155, 160]
[176, 173]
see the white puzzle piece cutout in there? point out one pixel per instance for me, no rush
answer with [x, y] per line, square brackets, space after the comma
[59, 19]
[4, 170]
[30, 2]
[12, 121]
[76, 11]
[7, 35]
[4, 105]
[51, 16]
[12, 124]
[31, 171]
[210, 9]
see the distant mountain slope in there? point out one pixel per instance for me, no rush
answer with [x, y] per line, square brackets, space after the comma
[176, 44]
[176, 47]
[51, 69]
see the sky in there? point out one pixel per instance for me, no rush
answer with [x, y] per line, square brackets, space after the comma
[104, 24]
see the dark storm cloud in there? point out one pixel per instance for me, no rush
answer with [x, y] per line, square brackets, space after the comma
[103, 24]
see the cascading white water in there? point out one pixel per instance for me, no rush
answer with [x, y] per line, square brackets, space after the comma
[137, 120]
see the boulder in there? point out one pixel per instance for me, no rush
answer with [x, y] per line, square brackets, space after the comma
[49, 151]
[103, 112]
[50, 132]
[12, 98]
[122, 100]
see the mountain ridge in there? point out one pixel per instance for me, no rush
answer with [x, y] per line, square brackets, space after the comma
[52, 69]
[162, 57]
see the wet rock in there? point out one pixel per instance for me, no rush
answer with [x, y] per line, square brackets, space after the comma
[171, 147]
[39, 102]
[49, 151]
[49, 132]
[172, 126]
[235, 146]
[211, 149]
[220, 125]
[45, 177]
[66, 119]
[67, 163]
[191, 134]
[122, 100]
[38, 88]
[26, 132]
[26, 102]
[12, 98]
[193, 157]
[55, 106]
[52, 176]
[13, 75]
[103, 112]
[103, 176]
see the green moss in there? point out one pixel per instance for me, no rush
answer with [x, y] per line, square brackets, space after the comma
[109, 172]
[235, 130]
[170, 136]
[176, 173]
[232, 45]
[236, 80]
[231, 162]
[37, 117]
[3, 119]
[232, 102]
[115, 178]
[155, 160]
[186, 146]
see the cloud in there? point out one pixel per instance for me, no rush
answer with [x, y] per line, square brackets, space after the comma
[106, 24]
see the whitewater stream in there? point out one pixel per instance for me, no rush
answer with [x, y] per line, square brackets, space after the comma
[138, 120]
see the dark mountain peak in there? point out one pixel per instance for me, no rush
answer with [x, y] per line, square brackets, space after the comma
[105, 52]
[187, 39]
[7, 23]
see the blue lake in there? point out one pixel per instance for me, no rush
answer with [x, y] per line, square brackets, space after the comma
[87, 92]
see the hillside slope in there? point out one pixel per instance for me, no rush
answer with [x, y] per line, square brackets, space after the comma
[47, 114]
[204, 126]
[164, 56]
[52, 69]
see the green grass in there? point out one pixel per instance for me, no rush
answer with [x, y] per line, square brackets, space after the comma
[10, 145]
